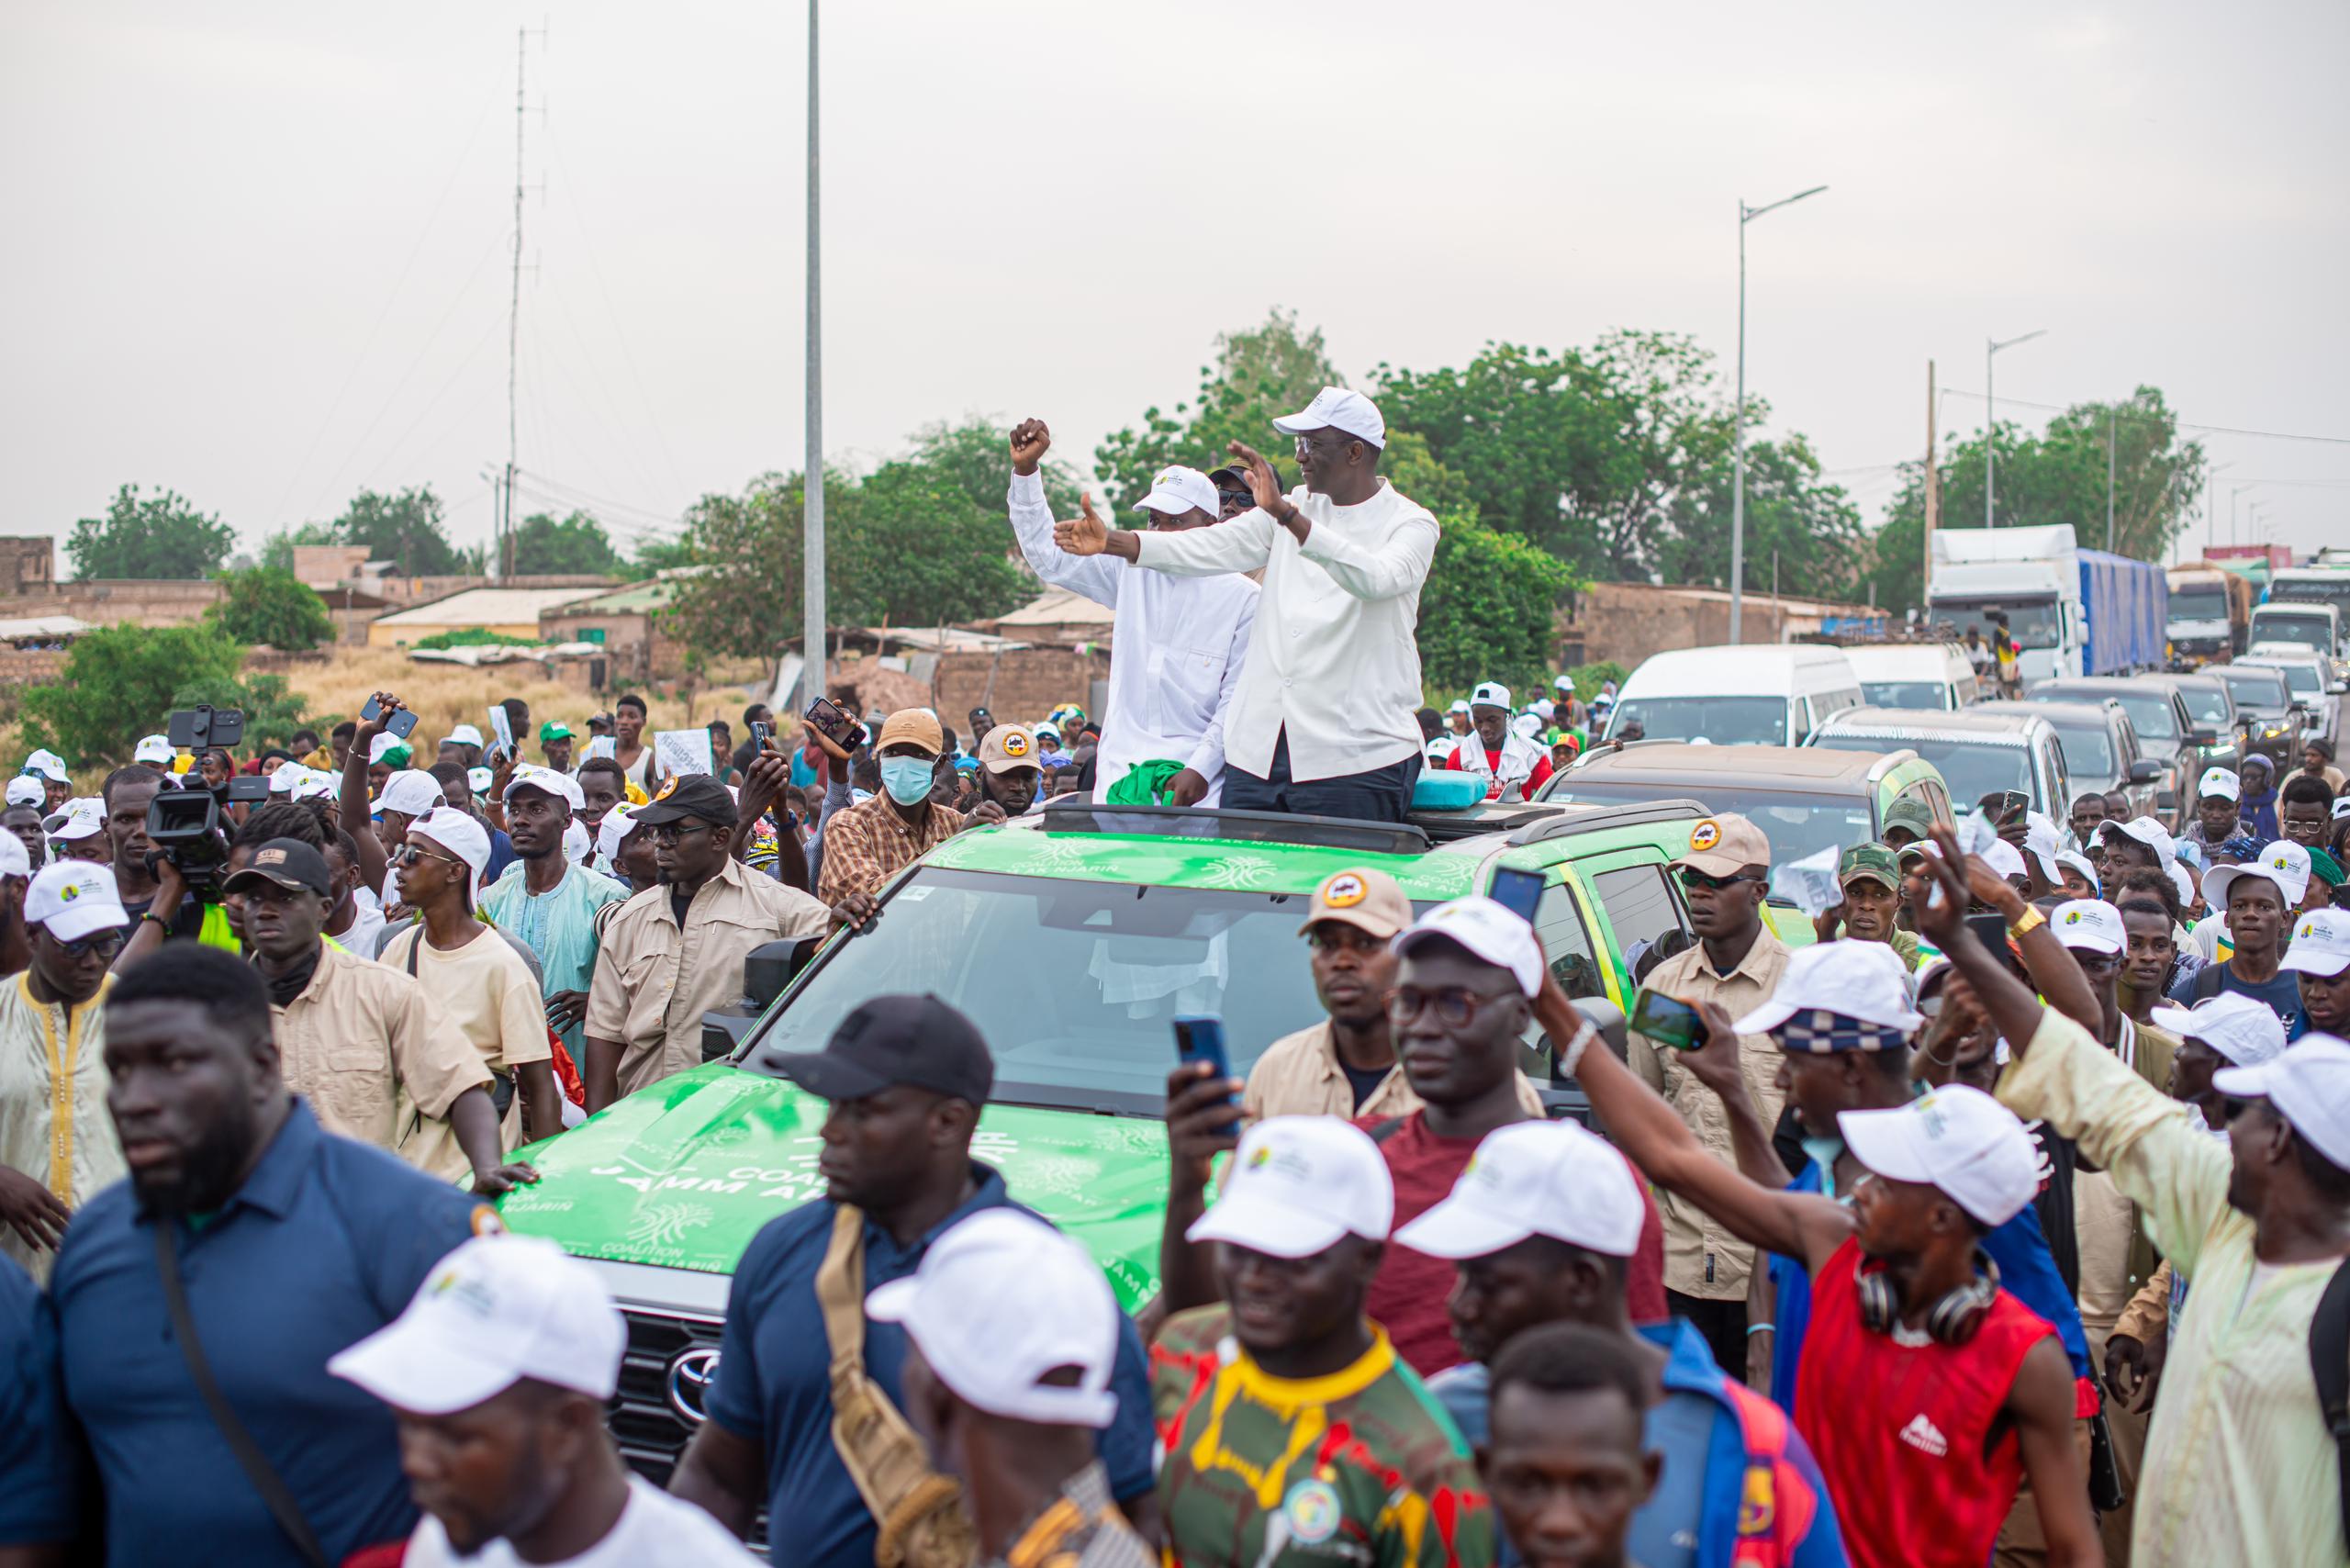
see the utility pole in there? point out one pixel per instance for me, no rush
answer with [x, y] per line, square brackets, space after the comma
[814, 639]
[501, 555]
[1746, 214]
[2110, 416]
[1933, 492]
[1991, 412]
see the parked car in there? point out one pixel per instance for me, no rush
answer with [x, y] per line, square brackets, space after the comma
[1914, 675]
[2274, 727]
[1803, 798]
[2157, 713]
[2223, 732]
[1978, 751]
[1753, 694]
[2313, 625]
[1072, 938]
[2309, 676]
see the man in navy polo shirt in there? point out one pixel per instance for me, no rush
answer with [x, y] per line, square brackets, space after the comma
[39, 1474]
[290, 1244]
[906, 1076]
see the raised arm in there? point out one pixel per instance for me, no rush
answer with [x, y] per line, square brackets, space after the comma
[1241, 544]
[353, 805]
[2047, 960]
[1717, 1066]
[1095, 577]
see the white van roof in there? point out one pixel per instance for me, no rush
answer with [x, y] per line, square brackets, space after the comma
[1909, 661]
[1741, 670]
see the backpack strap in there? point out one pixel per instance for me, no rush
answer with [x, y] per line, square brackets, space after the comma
[2330, 1364]
[2207, 980]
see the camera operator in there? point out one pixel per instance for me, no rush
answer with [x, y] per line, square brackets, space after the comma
[128, 794]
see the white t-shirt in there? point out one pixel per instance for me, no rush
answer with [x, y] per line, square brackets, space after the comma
[654, 1530]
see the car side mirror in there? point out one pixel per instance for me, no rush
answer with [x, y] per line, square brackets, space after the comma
[2145, 769]
[2203, 738]
[769, 968]
[1606, 1017]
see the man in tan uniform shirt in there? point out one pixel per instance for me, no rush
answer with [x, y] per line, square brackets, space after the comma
[1736, 963]
[676, 951]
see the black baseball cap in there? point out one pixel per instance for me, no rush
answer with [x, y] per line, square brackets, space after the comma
[289, 863]
[915, 1040]
[687, 795]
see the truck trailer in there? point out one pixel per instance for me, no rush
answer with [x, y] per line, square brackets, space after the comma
[2072, 611]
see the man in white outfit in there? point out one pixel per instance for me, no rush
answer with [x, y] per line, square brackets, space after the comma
[1175, 660]
[1323, 722]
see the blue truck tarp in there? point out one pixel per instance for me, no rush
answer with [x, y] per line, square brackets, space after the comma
[2125, 603]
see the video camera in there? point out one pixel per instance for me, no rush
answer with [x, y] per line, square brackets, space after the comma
[185, 824]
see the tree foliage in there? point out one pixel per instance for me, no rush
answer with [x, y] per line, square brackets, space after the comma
[270, 605]
[574, 546]
[119, 682]
[277, 549]
[976, 456]
[1259, 376]
[159, 535]
[407, 529]
[1808, 528]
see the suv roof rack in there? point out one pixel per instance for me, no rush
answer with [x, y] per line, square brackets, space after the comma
[1250, 827]
[1565, 822]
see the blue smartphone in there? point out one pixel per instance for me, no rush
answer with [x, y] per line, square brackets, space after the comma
[1520, 893]
[1200, 1038]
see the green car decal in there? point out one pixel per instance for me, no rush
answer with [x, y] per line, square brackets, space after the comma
[1185, 862]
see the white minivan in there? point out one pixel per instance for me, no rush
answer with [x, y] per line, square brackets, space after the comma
[1748, 694]
[1933, 676]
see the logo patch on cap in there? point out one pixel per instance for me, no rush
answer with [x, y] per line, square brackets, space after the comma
[269, 858]
[2309, 928]
[2281, 862]
[1705, 836]
[2074, 918]
[668, 787]
[1015, 744]
[1343, 890]
[69, 891]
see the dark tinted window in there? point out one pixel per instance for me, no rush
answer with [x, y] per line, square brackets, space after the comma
[1638, 904]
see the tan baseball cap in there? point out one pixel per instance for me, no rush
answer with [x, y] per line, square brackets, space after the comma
[1723, 845]
[1010, 747]
[1367, 900]
[919, 725]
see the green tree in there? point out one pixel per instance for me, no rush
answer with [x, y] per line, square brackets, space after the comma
[741, 598]
[277, 549]
[160, 535]
[1259, 374]
[406, 529]
[269, 604]
[658, 552]
[914, 548]
[273, 712]
[1810, 527]
[574, 546]
[976, 456]
[119, 683]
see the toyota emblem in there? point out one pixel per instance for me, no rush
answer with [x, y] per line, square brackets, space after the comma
[690, 1376]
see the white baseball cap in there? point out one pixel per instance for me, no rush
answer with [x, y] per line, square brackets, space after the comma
[284, 775]
[1175, 490]
[1545, 709]
[1860, 980]
[463, 734]
[1001, 1302]
[2308, 1083]
[1956, 1139]
[1491, 694]
[411, 791]
[2078, 862]
[316, 781]
[46, 764]
[382, 743]
[1565, 684]
[14, 859]
[615, 827]
[1460, 705]
[26, 790]
[1334, 407]
[1487, 930]
[2183, 882]
[1296, 1185]
[152, 748]
[2004, 858]
[83, 817]
[479, 779]
[2342, 806]
[2148, 832]
[73, 898]
[498, 1309]
[2283, 862]
[2221, 781]
[458, 833]
[577, 841]
[2089, 924]
[1534, 1179]
[2042, 842]
[547, 781]
[2321, 943]
[2245, 1031]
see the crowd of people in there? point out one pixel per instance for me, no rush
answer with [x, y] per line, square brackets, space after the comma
[2003, 1221]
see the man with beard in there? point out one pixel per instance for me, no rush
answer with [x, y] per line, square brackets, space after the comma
[1513, 767]
[498, 1374]
[1009, 773]
[547, 903]
[252, 1244]
[56, 1149]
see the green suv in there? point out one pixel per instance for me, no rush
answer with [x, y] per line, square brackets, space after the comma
[1071, 937]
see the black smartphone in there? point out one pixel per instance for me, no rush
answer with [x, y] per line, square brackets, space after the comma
[837, 727]
[1991, 930]
[2013, 805]
[401, 722]
[374, 705]
[1518, 892]
[1661, 1018]
[1200, 1038]
[761, 733]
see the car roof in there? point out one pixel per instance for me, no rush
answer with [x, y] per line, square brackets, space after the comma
[1987, 720]
[2112, 683]
[1917, 661]
[2075, 712]
[1796, 768]
[1745, 669]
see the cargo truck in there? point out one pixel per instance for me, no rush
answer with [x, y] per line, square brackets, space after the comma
[2072, 611]
[2211, 609]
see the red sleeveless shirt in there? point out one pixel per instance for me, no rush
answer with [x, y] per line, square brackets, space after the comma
[1898, 1433]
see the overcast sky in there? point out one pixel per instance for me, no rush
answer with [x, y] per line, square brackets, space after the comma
[259, 252]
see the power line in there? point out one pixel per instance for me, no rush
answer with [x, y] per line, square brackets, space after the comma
[2183, 424]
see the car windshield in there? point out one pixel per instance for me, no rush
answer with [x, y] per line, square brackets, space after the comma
[1723, 721]
[2205, 704]
[1072, 984]
[2202, 603]
[2262, 690]
[2031, 623]
[1970, 769]
[2088, 753]
[2301, 679]
[2307, 631]
[2150, 714]
[1796, 824]
[1906, 694]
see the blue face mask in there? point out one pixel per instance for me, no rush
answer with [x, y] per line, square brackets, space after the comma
[907, 778]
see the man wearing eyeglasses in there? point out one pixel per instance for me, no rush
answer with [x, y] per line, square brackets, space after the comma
[57, 1147]
[1736, 964]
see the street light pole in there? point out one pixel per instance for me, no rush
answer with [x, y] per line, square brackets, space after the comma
[1991, 414]
[815, 644]
[1746, 214]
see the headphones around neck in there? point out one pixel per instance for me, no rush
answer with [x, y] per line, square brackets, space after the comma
[1953, 1319]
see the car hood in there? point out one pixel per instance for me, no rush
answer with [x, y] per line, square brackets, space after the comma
[682, 1174]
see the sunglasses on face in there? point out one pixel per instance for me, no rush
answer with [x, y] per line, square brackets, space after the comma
[670, 833]
[1695, 880]
[408, 855]
[105, 944]
[1456, 1007]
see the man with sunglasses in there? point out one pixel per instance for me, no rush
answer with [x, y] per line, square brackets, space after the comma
[56, 1149]
[1320, 720]
[676, 951]
[1736, 964]
[1176, 658]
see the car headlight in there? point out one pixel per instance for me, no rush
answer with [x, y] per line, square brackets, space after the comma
[2273, 731]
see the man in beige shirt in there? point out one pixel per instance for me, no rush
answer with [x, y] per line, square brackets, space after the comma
[676, 951]
[1345, 1066]
[360, 1042]
[1735, 964]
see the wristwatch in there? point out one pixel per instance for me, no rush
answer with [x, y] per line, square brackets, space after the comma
[2032, 920]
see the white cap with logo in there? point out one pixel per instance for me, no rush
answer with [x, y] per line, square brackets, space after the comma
[1296, 1185]
[2146, 831]
[1489, 931]
[1529, 1179]
[498, 1309]
[74, 899]
[549, 781]
[1860, 980]
[2308, 1083]
[1491, 694]
[83, 817]
[153, 750]
[2321, 943]
[2091, 924]
[1956, 1139]
[1002, 1301]
[25, 789]
[2222, 782]
[1334, 407]
[2245, 1031]
[2283, 864]
[48, 764]
[411, 791]
[614, 828]
[1175, 490]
